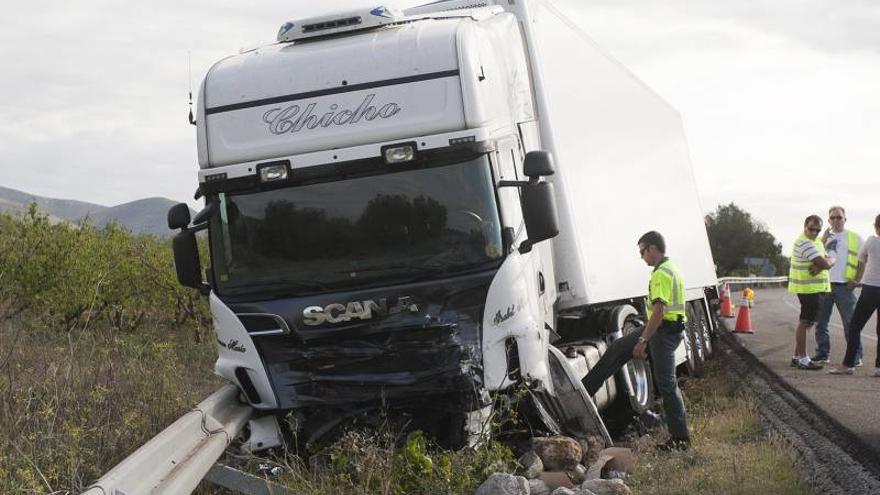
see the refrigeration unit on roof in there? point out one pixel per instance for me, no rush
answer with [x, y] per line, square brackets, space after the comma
[338, 23]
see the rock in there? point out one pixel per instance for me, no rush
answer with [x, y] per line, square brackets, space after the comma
[558, 453]
[606, 487]
[532, 464]
[595, 470]
[504, 484]
[590, 447]
[555, 479]
[622, 460]
[617, 459]
[564, 491]
[577, 475]
[538, 487]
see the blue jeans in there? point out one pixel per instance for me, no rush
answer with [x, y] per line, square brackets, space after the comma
[662, 349]
[845, 299]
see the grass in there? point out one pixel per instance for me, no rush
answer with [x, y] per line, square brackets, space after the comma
[731, 453]
[385, 463]
[76, 403]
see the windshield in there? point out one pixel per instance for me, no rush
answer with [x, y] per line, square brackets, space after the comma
[393, 227]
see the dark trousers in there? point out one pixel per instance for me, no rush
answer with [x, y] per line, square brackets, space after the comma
[662, 348]
[869, 302]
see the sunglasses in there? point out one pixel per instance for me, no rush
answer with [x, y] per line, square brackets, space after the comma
[814, 230]
[836, 217]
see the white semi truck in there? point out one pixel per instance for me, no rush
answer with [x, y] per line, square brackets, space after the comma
[417, 211]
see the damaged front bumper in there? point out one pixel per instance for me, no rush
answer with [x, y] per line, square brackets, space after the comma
[399, 364]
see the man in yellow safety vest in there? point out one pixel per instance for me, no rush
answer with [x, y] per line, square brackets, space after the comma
[663, 333]
[840, 244]
[808, 278]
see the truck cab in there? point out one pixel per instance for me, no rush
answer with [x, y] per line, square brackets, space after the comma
[374, 236]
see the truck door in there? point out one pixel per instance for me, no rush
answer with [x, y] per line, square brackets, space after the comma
[509, 157]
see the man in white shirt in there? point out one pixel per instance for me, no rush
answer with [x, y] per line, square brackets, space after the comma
[842, 245]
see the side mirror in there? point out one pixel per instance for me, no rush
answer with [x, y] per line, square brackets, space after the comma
[186, 259]
[538, 164]
[539, 213]
[209, 211]
[178, 216]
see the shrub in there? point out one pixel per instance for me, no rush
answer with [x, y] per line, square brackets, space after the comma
[68, 275]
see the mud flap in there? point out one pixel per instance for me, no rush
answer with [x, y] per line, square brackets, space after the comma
[567, 409]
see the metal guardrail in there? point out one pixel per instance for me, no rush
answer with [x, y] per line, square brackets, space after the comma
[177, 459]
[752, 280]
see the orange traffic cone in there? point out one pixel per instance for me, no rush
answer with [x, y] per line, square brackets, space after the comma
[726, 306]
[744, 320]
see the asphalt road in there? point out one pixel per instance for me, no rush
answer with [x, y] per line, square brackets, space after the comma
[854, 401]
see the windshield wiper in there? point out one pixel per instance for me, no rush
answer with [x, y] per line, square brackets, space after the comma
[284, 286]
[398, 266]
[423, 271]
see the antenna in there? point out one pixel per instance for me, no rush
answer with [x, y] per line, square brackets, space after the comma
[192, 119]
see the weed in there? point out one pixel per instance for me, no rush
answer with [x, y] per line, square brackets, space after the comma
[89, 365]
[730, 451]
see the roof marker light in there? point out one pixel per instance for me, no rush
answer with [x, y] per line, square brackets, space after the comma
[340, 22]
[463, 140]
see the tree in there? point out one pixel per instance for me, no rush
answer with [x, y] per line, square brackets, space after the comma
[735, 235]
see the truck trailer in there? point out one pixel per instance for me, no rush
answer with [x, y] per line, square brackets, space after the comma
[419, 211]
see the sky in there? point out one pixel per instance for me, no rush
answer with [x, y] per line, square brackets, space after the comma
[780, 98]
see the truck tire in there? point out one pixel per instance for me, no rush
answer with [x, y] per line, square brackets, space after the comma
[693, 343]
[635, 381]
[705, 330]
[641, 398]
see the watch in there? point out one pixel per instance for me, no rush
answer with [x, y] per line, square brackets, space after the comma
[642, 340]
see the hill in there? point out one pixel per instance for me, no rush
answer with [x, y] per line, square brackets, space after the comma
[142, 216]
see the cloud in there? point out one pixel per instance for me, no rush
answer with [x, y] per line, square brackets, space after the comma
[827, 25]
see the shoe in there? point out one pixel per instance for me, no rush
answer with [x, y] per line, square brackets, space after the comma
[680, 444]
[809, 366]
[877, 372]
[819, 359]
[841, 371]
[795, 362]
[859, 363]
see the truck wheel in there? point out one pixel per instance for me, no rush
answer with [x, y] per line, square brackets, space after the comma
[705, 330]
[693, 343]
[635, 381]
[639, 372]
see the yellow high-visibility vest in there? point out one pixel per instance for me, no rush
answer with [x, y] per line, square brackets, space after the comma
[852, 256]
[667, 286]
[800, 280]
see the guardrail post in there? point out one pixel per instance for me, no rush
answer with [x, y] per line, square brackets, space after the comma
[241, 482]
